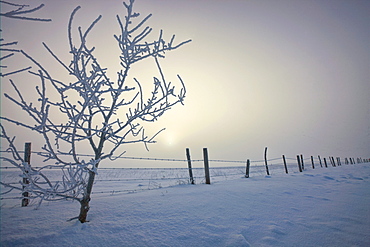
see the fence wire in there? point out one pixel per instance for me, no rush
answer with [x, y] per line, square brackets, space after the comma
[156, 159]
[110, 181]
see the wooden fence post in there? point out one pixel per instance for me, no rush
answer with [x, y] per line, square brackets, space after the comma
[247, 169]
[313, 163]
[285, 167]
[189, 166]
[27, 159]
[299, 163]
[302, 163]
[267, 168]
[206, 166]
[331, 161]
[326, 165]
[338, 161]
[320, 160]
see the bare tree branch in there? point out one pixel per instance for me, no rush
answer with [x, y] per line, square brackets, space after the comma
[17, 13]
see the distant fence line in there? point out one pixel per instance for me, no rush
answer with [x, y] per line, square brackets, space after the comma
[156, 177]
[154, 159]
[331, 160]
[165, 159]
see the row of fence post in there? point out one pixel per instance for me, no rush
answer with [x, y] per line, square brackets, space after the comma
[300, 163]
[206, 166]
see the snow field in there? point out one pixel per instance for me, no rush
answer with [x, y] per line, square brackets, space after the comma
[321, 207]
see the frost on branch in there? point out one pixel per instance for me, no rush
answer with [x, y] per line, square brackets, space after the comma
[38, 185]
[93, 109]
[15, 11]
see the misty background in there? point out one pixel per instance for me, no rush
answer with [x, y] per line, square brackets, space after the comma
[292, 76]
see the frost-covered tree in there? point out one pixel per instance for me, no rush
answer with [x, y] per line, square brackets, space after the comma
[92, 110]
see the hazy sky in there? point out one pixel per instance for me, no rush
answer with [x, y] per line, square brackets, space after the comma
[292, 76]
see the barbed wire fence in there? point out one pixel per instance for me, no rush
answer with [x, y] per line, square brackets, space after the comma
[111, 181]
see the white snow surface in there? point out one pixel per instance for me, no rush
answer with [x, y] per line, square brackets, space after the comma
[320, 207]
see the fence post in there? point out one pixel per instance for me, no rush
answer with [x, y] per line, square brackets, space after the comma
[27, 159]
[247, 169]
[313, 163]
[189, 166]
[285, 167]
[338, 161]
[267, 168]
[333, 161]
[299, 163]
[320, 160]
[326, 165]
[206, 166]
[302, 163]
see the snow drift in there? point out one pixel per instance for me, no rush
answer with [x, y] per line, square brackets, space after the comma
[321, 207]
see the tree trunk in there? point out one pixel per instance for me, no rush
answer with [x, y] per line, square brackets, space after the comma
[85, 202]
[84, 209]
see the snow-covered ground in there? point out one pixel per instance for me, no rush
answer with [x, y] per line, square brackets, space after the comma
[320, 207]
